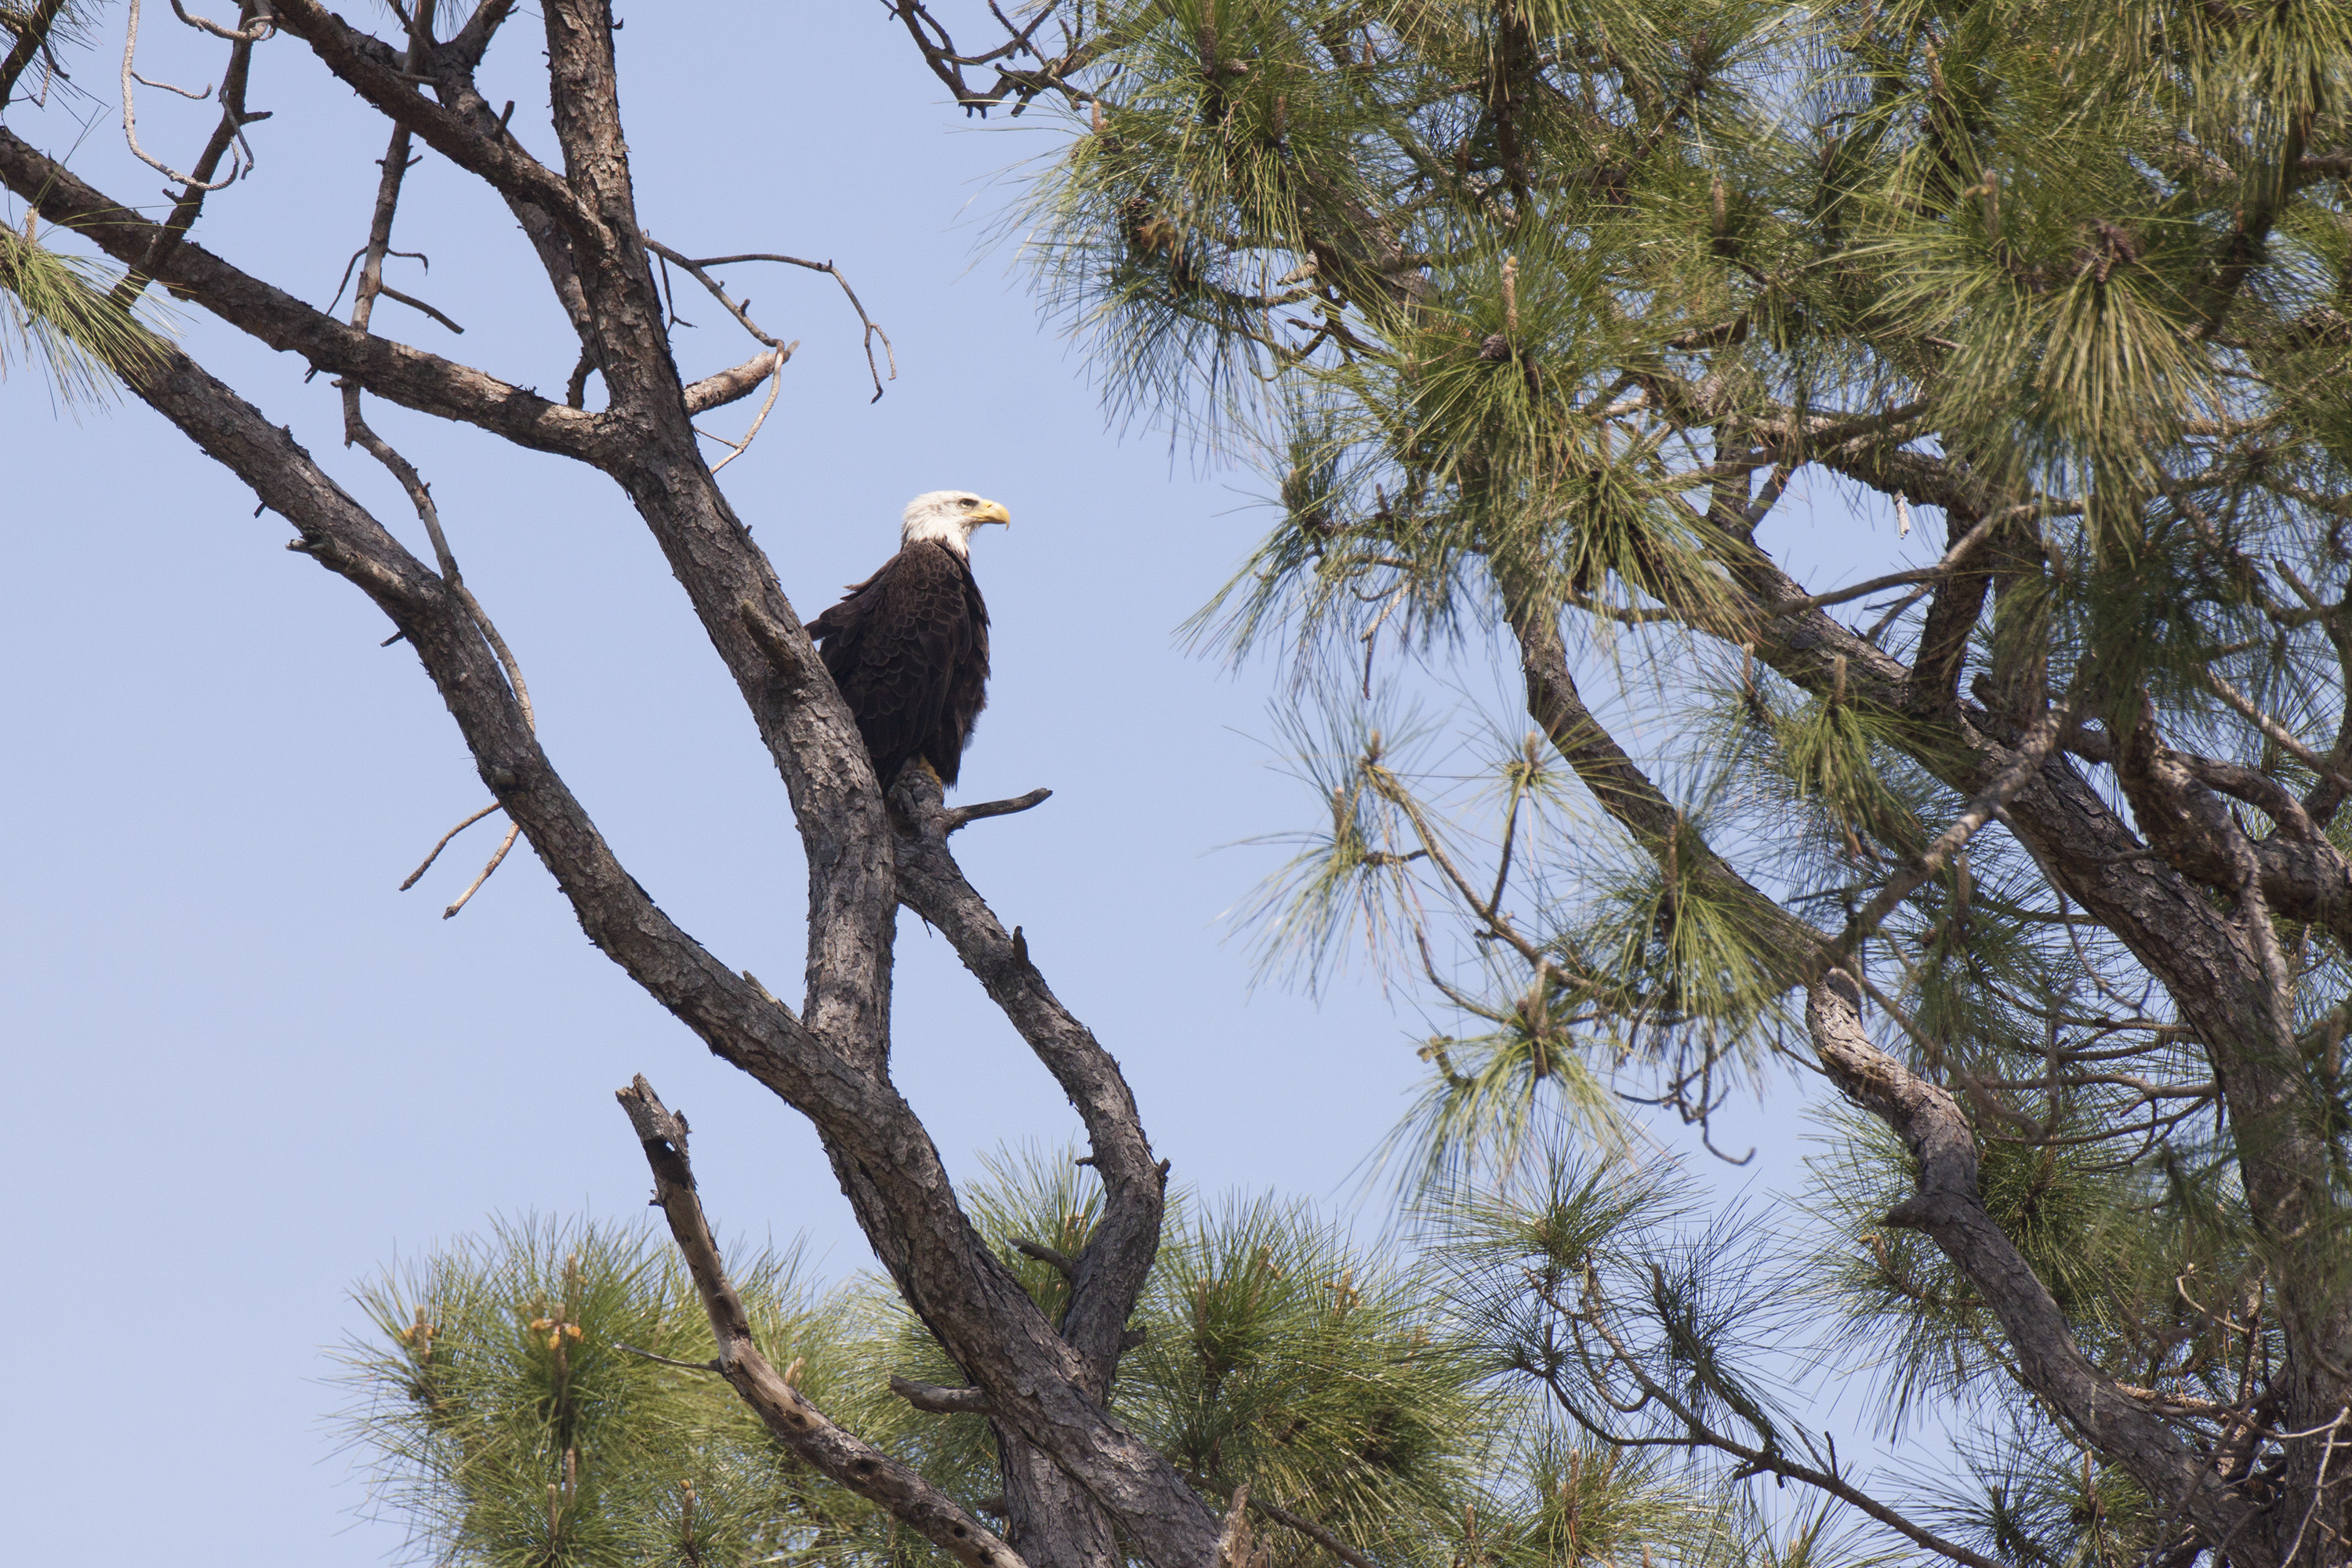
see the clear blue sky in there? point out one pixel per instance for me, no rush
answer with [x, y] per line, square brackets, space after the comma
[247, 1072]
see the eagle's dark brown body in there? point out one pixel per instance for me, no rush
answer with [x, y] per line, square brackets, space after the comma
[909, 647]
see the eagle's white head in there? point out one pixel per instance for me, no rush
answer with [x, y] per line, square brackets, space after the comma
[949, 517]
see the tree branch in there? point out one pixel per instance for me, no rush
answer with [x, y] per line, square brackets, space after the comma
[1947, 1207]
[735, 384]
[1109, 1273]
[373, 69]
[408, 376]
[940, 1400]
[960, 816]
[798, 1424]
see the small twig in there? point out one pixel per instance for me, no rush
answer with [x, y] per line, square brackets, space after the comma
[358, 431]
[389, 293]
[940, 1400]
[667, 1360]
[1943, 568]
[1878, 628]
[1314, 1532]
[265, 24]
[962, 814]
[775, 384]
[359, 255]
[419, 872]
[199, 94]
[2033, 749]
[1060, 1261]
[718, 291]
[514, 830]
[2273, 729]
[1372, 638]
[131, 113]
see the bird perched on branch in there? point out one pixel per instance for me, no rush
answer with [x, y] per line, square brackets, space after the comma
[909, 647]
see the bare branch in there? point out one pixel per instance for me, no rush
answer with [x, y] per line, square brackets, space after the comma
[407, 376]
[958, 817]
[1059, 1261]
[263, 23]
[872, 329]
[718, 291]
[712, 1365]
[728, 385]
[775, 386]
[497, 858]
[131, 113]
[417, 875]
[389, 293]
[797, 1423]
[1109, 1273]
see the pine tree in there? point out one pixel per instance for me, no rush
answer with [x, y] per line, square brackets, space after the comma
[1536, 312]
[1534, 315]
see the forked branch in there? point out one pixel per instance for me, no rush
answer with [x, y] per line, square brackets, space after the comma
[700, 271]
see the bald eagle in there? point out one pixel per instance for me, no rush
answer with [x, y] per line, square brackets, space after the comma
[909, 647]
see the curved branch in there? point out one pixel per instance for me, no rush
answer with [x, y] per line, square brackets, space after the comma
[1109, 1273]
[131, 113]
[1947, 1207]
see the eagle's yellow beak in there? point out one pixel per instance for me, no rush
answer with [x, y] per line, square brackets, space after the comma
[993, 511]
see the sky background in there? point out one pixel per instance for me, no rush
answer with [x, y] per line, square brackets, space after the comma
[248, 1072]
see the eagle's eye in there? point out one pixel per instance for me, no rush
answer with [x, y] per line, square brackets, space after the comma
[972, 500]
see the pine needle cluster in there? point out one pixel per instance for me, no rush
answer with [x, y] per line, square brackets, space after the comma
[533, 1396]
